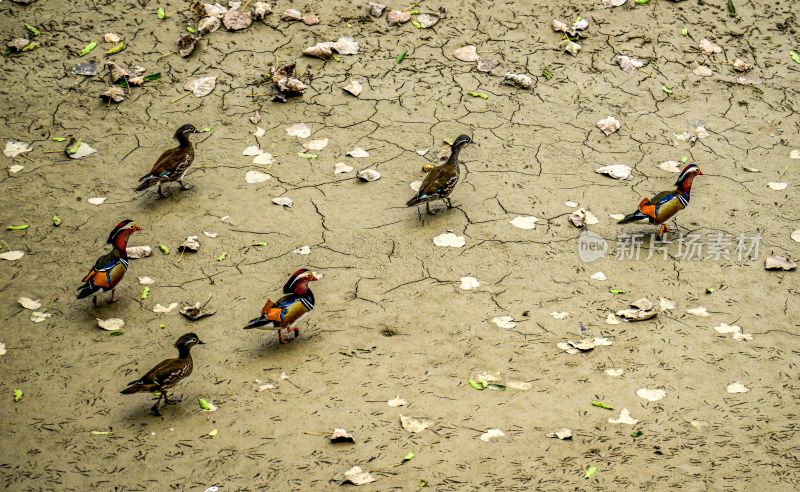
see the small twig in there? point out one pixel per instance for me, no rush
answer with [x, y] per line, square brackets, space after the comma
[179, 97]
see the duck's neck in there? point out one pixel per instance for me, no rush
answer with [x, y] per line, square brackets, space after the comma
[121, 243]
[183, 140]
[685, 187]
[302, 288]
[183, 352]
[453, 159]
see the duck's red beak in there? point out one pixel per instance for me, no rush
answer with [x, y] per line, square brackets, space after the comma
[137, 227]
[316, 276]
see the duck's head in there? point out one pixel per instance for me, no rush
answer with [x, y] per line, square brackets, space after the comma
[299, 281]
[119, 236]
[185, 130]
[687, 175]
[188, 340]
[461, 141]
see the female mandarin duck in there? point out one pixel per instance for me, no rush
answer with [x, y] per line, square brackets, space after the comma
[441, 180]
[297, 303]
[172, 164]
[167, 373]
[110, 268]
[662, 207]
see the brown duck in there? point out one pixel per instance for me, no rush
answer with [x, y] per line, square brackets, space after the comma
[441, 180]
[167, 373]
[172, 164]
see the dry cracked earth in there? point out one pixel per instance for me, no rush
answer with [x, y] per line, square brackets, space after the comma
[391, 318]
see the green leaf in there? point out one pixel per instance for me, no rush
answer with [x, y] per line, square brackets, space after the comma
[204, 404]
[589, 473]
[58, 139]
[666, 90]
[74, 147]
[20, 227]
[685, 31]
[400, 57]
[115, 334]
[617, 291]
[478, 94]
[731, 8]
[636, 433]
[145, 292]
[261, 243]
[476, 385]
[336, 58]
[162, 325]
[222, 256]
[710, 290]
[416, 24]
[414, 12]
[152, 77]
[795, 56]
[88, 48]
[164, 249]
[408, 457]
[17, 394]
[642, 2]
[600, 404]
[161, 14]
[206, 130]
[56, 220]
[547, 74]
[116, 48]
[33, 30]
[422, 484]
[191, 29]
[684, 160]
[307, 155]
[30, 46]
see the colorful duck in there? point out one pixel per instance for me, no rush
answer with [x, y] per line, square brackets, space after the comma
[172, 164]
[441, 180]
[167, 373]
[297, 303]
[110, 268]
[662, 207]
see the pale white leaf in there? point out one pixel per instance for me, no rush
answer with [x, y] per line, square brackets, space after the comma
[525, 222]
[467, 54]
[624, 418]
[354, 87]
[299, 130]
[666, 304]
[264, 159]
[358, 152]
[12, 255]
[609, 125]
[38, 317]
[97, 200]
[614, 372]
[316, 145]
[253, 177]
[158, 308]
[15, 148]
[779, 263]
[357, 476]
[736, 387]
[110, 324]
[368, 175]
[303, 250]
[84, 149]
[698, 311]
[28, 303]
[571, 204]
[559, 315]
[505, 322]
[252, 150]
[413, 424]
[570, 47]
[777, 186]
[137, 252]
[612, 320]
[260, 132]
[211, 234]
[201, 86]
[346, 46]
[703, 71]
[15, 168]
[726, 328]
[562, 434]
[2, 348]
[616, 171]
[397, 402]
[284, 201]
[469, 283]
[144, 280]
[415, 185]
[794, 154]
[670, 166]
[796, 236]
[708, 47]
[448, 239]
[617, 217]
[598, 276]
[492, 435]
[602, 341]
[651, 394]
[628, 64]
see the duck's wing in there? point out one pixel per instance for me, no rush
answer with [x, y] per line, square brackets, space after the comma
[165, 165]
[107, 272]
[436, 184]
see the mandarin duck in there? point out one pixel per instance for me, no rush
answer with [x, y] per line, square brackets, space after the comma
[166, 373]
[172, 164]
[109, 269]
[662, 207]
[296, 303]
[441, 180]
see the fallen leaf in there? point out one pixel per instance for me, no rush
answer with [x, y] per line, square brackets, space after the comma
[206, 405]
[612, 320]
[666, 304]
[525, 222]
[505, 322]
[88, 48]
[208, 25]
[397, 402]
[488, 63]
[310, 20]
[590, 472]
[144, 280]
[467, 54]
[158, 308]
[492, 435]
[368, 175]
[299, 130]
[736, 387]
[341, 168]
[624, 418]
[796, 236]
[110, 324]
[448, 239]
[616, 171]
[779, 263]
[469, 283]
[375, 9]
[356, 476]
[341, 435]
[137, 252]
[111, 37]
[252, 150]
[598, 276]
[559, 315]
[236, 20]
[15, 168]
[627, 63]
[97, 200]
[15, 148]
[698, 311]
[201, 86]
[38, 317]
[608, 125]
[354, 87]
[79, 149]
[703, 71]
[29, 303]
[741, 66]
[559, 25]
[777, 186]
[290, 15]
[253, 177]
[413, 424]
[415, 185]
[316, 145]
[521, 80]
[570, 47]
[358, 153]
[303, 250]
[794, 154]
[396, 17]
[562, 434]
[187, 43]
[113, 94]
[670, 166]
[600, 404]
[613, 372]
[145, 292]
[284, 201]
[651, 394]
[264, 159]
[191, 244]
[3, 350]
[708, 47]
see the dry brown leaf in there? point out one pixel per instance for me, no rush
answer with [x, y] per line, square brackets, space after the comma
[412, 424]
[261, 10]
[201, 86]
[467, 54]
[291, 15]
[113, 94]
[375, 9]
[117, 73]
[111, 37]
[208, 25]
[396, 17]
[186, 44]
[310, 20]
[779, 263]
[708, 47]
[354, 87]
[236, 20]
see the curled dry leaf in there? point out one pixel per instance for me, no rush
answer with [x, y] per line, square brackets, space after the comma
[397, 402]
[609, 125]
[285, 84]
[113, 94]
[299, 130]
[212, 10]
[158, 308]
[303, 250]
[467, 54]
[698, 311]
[358, 152]
[355, 476]
[779, 263]
[651, 394]
[12, 255]
[117, 73]
[201, 86]
[15, 148]
[16, 45]
[341, 168]
[570, 47]
[487, 64]
[505, 322]
[639, 311]
[284, 201]
[562, 434]
[703, 71]
[396, 17]
[624, 418]
[368, 175]
[427, 20]
[28, 303]
[316, 145]
[310, 20]
[777, 186]
[191, 245]
[448, 239]
[253, 177]
[146, 280]
[261, 10]
[236, 20]
[741, 66]
[525, 222]
[98, 200]
[708, 47]
[196, 311]
[628, 64]
[736, 387]
[559, 25]
[375, 9]
[186, 44]
[469, 283]
[111, 37]
[341, 435]
[137, 252]
[320, 50]
[354, 87]
[521, 80]
[88, 69]
[208, 25]
[38, 317]
[493, 435]
[414, 424]
[582, 217]
[616, 171]
[290, 15]
[110, 324]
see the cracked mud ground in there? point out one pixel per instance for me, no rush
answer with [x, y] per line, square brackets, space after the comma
[390, 318]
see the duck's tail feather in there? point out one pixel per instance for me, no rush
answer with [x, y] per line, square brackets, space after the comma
[633, 217]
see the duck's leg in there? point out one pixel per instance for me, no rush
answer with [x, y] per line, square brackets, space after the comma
[113, 296]
[296, 331]
[447, 202]
[661, 230]
[94, 301]
[161, 193]
[184, 187]
[173, 401]
[280, 337]
[154, 408]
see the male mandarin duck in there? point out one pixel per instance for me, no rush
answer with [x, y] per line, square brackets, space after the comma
[172, 164]
[441, 180]
[297, 303]
[109, 269]
[662, 207]
[167, 373]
